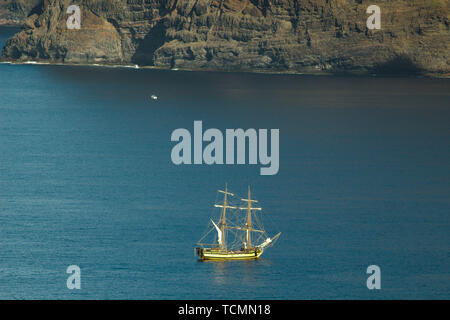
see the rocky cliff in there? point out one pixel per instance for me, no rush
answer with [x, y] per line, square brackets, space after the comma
[266, 35]
[12, 12]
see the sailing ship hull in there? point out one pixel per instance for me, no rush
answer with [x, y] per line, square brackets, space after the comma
[217, 254]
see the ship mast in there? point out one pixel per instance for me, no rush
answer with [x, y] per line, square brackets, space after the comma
[223, 217]
[248, 225]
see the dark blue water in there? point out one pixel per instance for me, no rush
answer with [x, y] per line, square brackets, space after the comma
[86, 179]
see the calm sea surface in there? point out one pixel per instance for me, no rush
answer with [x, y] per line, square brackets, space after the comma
[86, 178]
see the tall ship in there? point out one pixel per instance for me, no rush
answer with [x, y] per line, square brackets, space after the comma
[238, 234]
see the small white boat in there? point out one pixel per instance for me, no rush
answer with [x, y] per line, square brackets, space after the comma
[154, 97]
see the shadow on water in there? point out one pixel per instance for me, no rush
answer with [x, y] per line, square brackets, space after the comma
[226, 272]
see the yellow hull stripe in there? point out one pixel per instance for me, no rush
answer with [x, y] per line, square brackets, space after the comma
[230, 256]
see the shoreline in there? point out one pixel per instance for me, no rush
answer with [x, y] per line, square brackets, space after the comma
[10, 23]
[265, 72]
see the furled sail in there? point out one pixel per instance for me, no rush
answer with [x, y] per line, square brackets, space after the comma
[269, 241]
[265, 243]
[219, 233]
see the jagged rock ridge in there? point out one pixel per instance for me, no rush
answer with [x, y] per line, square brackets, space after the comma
[12, 12]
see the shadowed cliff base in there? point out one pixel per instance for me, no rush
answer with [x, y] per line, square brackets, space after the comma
[400, 65]
[145, 48]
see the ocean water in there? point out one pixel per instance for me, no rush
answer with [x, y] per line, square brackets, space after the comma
[86, 179]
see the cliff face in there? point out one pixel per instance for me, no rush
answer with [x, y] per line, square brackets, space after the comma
[270, 35]
[12, 12]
